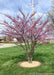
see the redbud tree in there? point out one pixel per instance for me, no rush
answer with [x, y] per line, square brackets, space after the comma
[30, 31]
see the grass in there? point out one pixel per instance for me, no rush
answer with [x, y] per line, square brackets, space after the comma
[9, 58]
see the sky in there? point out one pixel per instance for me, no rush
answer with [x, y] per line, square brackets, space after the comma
[11, 7]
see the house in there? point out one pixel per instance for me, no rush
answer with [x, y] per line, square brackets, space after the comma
[2, 38]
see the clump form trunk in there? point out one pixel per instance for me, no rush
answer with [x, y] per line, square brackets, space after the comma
[31, 52]
[30, 60]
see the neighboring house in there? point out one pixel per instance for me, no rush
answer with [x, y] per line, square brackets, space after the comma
[2, 38]
[7, 39]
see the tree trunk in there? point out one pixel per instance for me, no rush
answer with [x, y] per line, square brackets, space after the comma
[30, 60]
[31, 53]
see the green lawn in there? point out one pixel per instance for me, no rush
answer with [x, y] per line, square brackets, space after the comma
[9, 58]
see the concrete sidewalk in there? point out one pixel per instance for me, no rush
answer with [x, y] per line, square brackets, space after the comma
[9, 45]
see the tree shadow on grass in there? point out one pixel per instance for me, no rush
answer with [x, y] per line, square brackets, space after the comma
[40, 57]
[19, 58]
[36, 57]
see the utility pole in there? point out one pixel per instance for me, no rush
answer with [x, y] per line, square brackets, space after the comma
[33, 5]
